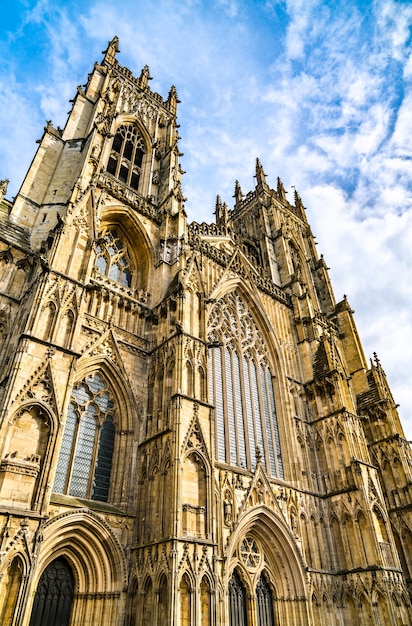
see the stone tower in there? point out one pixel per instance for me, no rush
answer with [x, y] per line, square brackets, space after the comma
[190, 432]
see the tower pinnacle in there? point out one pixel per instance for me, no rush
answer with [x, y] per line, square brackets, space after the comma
[260, 174]
[111, 51]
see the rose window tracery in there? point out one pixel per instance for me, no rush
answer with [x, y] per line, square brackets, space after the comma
[250, 553]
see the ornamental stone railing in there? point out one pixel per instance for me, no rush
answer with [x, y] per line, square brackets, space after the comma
[128, 196]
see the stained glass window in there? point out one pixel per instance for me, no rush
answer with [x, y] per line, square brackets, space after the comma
[86, 452]
[230, 408]
[126, 157]
[217, 394]
[112, 259]
[241, 389]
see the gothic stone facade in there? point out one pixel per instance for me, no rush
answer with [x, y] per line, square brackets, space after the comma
[190, 432]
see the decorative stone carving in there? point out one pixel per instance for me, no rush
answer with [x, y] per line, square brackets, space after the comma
[228, 508]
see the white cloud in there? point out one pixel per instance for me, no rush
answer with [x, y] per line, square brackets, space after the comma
[231, 7]
[393, 20]
[371, 261]
[401, 139]
[322, 95]
[17, 147]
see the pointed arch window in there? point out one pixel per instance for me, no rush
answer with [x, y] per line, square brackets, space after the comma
[237, 601]
[241, 389]
[162, 602]
[112, 259]
[148, 604]
[86, 453]
[126, 156]
[185, 601]
[264, 603]
[205, 603]
[10, 591]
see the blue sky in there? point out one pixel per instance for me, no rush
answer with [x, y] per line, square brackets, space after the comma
[319, 90]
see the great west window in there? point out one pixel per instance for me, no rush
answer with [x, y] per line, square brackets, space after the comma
[85, 459]
[241, 389]
[126, 156]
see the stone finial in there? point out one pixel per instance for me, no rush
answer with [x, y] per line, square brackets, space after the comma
[281, 190]
[225, 214]
[144, 76]
[238, 192]
[298, 201]
[3, 187]
[376, 358]
[218, 210]
[299, 205]
[260, 174]
[111, 51]
[221, 212]
[172, 99]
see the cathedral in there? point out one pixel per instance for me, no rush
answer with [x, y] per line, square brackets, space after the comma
[191, 434]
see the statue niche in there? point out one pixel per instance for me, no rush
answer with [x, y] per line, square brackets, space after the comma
[194, 496]
[25, 451]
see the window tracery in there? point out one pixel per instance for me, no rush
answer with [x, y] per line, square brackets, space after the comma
[112, 258]
[250, 553]
[126, 156]
[251, 558]
[237, 601]
[54, 595]
[241, 389]
[85, 459]
[264, 603]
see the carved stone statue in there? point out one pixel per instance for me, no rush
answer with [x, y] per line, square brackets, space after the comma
[227, 508]
[3, 187]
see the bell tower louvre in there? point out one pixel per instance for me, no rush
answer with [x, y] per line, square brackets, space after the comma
[190, 433]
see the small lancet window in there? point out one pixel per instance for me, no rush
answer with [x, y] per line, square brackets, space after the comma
[126, 157]
[237, 602]
[85, 459]
[264, 602]
[112, 259]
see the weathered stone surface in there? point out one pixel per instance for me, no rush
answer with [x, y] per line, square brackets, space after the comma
[188, 421]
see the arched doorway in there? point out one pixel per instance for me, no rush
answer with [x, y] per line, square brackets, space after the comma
[54, 595]
[266, 580]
